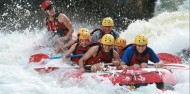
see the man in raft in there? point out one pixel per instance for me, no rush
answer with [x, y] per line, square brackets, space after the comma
[107, 28]
[139, 54]
[57, 23]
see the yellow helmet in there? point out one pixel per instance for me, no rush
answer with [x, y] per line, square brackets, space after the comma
[120, 42]
[84, 35]
[81, 30]
[141, 39]
[107, 39]
[107, 22]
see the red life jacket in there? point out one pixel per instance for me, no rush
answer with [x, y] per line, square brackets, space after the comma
[56, 27]
[139, 58]
[81, 50]
[101, 56]
[120, 53]
[127, 46]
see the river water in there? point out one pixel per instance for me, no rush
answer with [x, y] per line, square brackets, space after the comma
[167, 31]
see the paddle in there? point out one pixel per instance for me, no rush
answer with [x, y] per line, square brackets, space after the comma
[169, 58]
[38, 57]
[173, 66]
[171, 61]
[71, 56]
[165, 57]
[176, 66]
[46, 70]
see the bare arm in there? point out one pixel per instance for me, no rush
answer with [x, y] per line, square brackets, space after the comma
[116, 56]
[92, 51]
[158, 64]
[68, 53]
[45, 20]
[63, 19]
[117, 59]
[69, 44]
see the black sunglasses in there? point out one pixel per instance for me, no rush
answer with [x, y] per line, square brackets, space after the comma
[50, 7]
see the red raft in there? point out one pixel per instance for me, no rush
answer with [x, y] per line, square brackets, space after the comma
[163, 78]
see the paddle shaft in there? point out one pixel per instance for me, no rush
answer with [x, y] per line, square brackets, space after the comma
[71, 56]
[173, 66]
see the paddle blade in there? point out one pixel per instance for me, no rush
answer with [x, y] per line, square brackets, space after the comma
[37, 58]
[169, 58]
[46, 70]
[72, 74]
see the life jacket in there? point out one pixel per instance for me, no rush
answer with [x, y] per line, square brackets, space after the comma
[139, 58]
[122, 51]
[127, 46]
[101, 56]
[56, 27]
[80, 50]
[102, 33]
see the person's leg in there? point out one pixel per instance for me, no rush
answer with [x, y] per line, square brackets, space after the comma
[57, 45]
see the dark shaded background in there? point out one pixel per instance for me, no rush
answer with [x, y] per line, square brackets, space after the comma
[26, 14]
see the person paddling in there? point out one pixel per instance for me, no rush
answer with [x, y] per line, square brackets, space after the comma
[100, 54]
[138, 55]
[57, 23]
[73, 40]
[80, 47]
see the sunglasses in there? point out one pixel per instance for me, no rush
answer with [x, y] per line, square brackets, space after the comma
[50, 7]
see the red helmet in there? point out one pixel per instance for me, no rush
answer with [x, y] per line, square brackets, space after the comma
[45, 4]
